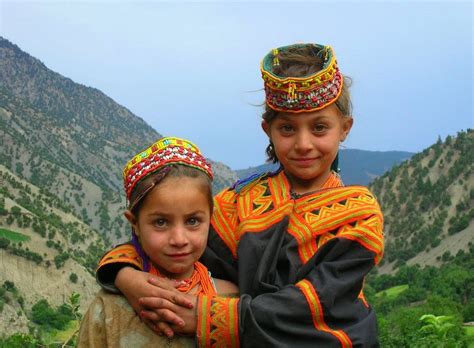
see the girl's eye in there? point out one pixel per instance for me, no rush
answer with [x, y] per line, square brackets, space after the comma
[193, 221]
[319, 128]
[287, 129]
[160, 222]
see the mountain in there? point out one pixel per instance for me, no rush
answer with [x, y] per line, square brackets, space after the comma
[70, 139]
[428, 204]
[358, 167]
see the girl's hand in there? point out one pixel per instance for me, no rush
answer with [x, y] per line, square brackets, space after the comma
[166, 311]
[135, 284]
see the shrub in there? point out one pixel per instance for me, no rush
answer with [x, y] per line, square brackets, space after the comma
[73, 278]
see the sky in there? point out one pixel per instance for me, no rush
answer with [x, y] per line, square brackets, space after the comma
[191, 68]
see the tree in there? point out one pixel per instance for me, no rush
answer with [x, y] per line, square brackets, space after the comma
[4, 243]
[436, 326]
[439, 331]
[15, 210]
[73, 304]
[73, 278]
[20, 340]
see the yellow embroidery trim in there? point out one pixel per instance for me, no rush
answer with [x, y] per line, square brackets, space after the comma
[317, 313]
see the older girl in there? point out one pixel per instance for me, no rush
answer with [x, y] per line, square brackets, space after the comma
[297, 242]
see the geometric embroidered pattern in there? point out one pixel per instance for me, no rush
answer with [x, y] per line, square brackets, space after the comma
[337, 212]
[218, 324]
[334, 211]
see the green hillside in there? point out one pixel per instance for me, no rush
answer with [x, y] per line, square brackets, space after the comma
[428, 204]
[423, 289]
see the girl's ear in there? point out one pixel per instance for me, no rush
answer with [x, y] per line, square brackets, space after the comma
[266, 128]
[347, 123]
[131, 219]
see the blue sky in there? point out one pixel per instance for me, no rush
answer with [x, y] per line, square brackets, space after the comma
[191, 69]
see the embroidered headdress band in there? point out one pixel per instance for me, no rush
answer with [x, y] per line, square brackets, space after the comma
[300, 94]
[164, 152]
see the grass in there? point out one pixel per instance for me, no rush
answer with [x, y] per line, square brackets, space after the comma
[13, 236]
[392, 292]
[56, 336]
[470, 334]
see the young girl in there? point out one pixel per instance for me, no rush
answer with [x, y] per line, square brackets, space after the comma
[297, 242]
[168, 189]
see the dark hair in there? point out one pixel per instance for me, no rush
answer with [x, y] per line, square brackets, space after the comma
[300, 61]
[145, 185]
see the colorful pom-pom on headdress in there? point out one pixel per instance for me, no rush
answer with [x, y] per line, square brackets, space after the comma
[164, 152]
[301, 94]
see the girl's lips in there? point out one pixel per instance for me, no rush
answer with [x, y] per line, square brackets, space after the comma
[304, 160]
[180, 255]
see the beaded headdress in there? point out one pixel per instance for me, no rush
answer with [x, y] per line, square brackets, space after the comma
[301, 94]
[164, 152]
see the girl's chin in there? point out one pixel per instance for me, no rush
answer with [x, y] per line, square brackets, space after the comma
[179, 274]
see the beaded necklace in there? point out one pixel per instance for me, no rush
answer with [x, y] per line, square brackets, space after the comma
[200, 278]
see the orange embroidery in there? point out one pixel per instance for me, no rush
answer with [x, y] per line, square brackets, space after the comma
[317, 313]
[123, 253]
[203, 325]
[218, 324]
[224, 219]
[368, 233]
[362, 298]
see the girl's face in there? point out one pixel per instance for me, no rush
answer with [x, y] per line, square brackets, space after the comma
[306, 144]
[172, 225]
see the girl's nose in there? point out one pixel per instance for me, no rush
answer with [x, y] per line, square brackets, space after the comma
[178, 236]
[303, 141]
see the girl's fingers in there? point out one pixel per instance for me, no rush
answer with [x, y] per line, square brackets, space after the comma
[163, 283]
[181, 300]
[151, 319]
[162, 311]
[149, 316]
[164, 328]
[170, 317]
[168, 293]
[152, 326]
[155, 303]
